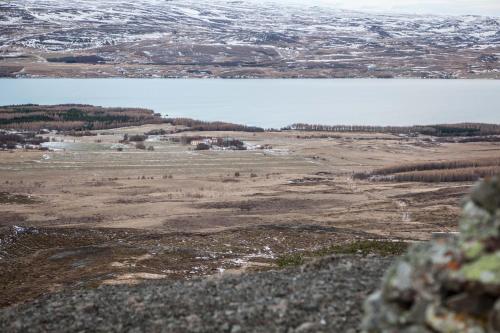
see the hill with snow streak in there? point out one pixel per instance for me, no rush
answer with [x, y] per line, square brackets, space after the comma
[240, 39]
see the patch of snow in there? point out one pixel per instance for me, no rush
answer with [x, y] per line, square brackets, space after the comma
[19, 230]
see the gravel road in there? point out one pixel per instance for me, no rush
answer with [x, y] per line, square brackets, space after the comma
[323, 296]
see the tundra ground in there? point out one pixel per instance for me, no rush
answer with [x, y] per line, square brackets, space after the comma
[87, 214]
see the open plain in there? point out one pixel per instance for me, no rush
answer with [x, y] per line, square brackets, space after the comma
[92, 211]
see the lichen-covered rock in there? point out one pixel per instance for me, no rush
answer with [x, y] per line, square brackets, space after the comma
[443, 320]
[486, 195]
[477, 224]
[484, 270]
[494, 320]
[449, 284]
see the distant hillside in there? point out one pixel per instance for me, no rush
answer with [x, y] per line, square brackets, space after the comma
[217, 38]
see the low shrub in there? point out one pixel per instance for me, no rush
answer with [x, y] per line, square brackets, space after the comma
[137, 138]
[365, 247]
[362, 247]
[160, 131]
[290, 260]
[202, 146]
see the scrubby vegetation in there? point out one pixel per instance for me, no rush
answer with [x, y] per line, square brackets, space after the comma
[290, 260]
[202, 146]
[79, 133]
[12, 140]
[447, 171]
[198, 125]
[160, 131]
[73, 117]
[11, 198]
[83, 59]
[137, 138]
[445, 130]
[363, 247]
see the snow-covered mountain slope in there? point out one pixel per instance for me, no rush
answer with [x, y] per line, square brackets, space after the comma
[240, 34]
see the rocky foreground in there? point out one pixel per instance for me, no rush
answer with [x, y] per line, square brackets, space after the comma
[323, 296]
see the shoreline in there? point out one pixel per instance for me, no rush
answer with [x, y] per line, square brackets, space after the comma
[249, 78]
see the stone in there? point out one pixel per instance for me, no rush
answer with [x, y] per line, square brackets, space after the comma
[484, 270]
[478, 224]
[487, 194]
[473, 303]
[444, 321]
[236, 329]
[472, 250]
[305, 327]
[494, 320]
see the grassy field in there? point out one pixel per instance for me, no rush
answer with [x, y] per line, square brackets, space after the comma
[105, 212]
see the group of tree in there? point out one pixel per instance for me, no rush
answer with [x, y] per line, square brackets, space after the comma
[435, 165]
[446, 171]
[77, 117]
[199, 125]
[452, 175]
[443, 130]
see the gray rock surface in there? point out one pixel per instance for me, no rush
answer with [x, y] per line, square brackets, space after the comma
[449, 285]
[323, 296]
